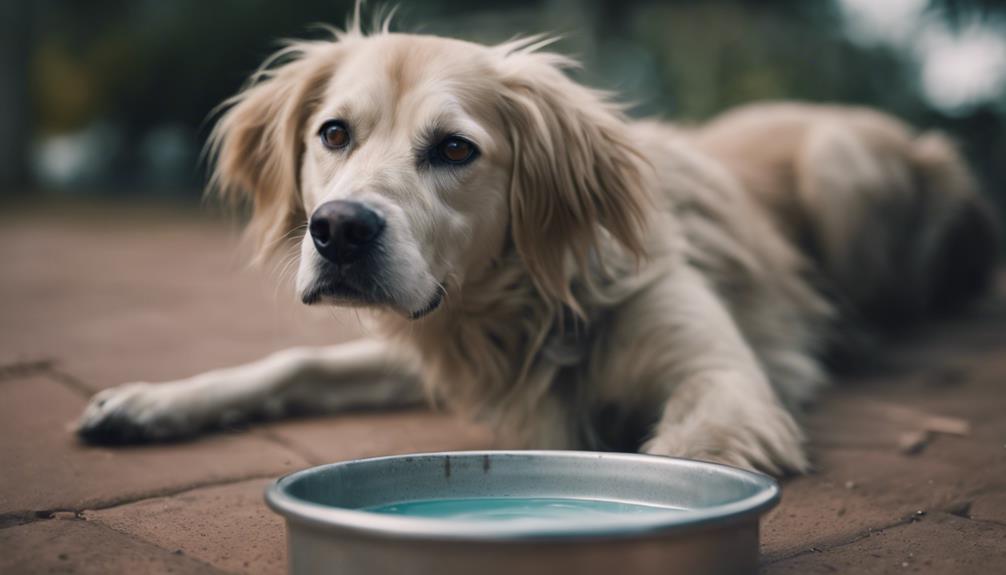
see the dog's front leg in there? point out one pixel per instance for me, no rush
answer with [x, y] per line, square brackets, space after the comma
[678, 346]
[354, 375]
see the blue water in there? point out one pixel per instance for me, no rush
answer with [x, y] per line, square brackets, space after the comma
[510, 508]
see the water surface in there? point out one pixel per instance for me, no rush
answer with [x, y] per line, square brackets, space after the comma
[511, 508]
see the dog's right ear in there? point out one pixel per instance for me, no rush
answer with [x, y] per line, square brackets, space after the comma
[576, 169]
[257, 144]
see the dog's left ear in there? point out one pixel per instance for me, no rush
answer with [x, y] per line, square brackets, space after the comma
[575, 171]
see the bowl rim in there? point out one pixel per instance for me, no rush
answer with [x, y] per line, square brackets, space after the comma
[327, 517]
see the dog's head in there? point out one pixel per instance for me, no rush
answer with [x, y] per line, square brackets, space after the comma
[411, 163]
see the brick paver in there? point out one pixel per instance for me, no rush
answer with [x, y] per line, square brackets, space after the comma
[81, 547]
[356, 435]
[226, 526]
[109, 294]
[45, 469]
[941, 544]
[142, 294]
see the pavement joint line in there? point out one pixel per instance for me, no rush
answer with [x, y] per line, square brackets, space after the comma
[995, 522]
[26, 368]
[274, 437]
[823, 548]
[44, 367]
[19, 518]
[73, 382]
[915, 517]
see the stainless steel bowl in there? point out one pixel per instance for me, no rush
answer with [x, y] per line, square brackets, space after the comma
[329, 530]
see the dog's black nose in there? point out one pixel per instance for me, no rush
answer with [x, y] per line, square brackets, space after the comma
[344, 231]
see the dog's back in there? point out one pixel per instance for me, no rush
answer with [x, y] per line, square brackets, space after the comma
[892, 218]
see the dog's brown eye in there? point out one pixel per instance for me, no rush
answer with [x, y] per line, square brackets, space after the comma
[456, 150]
[334, 135]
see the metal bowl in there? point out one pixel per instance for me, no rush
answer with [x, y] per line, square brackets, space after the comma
[710, 526]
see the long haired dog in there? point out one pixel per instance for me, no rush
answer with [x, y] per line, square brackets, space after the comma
[533, 258]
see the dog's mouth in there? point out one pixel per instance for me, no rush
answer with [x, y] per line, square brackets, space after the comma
[438, 298]
[339, 293]
[353, 285]
[345, 292]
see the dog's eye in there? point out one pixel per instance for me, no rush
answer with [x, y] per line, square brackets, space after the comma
[456, 150]
[334, 135]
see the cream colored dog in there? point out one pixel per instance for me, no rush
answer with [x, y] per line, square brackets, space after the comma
[535, 259]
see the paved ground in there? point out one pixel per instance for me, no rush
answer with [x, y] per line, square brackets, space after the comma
[96, 296]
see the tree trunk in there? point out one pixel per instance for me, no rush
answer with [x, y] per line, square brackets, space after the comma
[15, 105]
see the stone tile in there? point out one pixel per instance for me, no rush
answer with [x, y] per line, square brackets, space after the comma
[227, 526]
[80, 547]
[354, 435]
[144, 296]
[230, 527]
[864, 481]
[45, 468]
[936, 544]
[855, 491]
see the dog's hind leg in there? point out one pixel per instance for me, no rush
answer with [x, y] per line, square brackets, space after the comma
[362, 374]
[900, 230]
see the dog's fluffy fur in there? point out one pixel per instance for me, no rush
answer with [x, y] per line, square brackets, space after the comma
[605, 283]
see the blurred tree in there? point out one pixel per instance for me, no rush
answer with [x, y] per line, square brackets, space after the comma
[15, 129]
[151, 71]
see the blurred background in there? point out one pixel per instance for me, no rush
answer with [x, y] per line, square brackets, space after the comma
[110, 98]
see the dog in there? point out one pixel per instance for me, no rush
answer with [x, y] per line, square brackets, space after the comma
[532, 258]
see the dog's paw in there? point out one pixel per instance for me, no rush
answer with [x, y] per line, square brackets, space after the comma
[773, 444]
[137, 413]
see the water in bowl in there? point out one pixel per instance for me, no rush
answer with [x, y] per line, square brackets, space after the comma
[513, 508]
